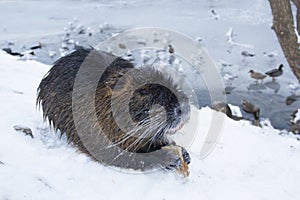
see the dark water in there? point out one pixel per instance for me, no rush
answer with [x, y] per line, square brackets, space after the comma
[276, 107]
[272, 106]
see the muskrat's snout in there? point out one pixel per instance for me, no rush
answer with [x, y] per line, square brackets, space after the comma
[181, 114]
[160, 103]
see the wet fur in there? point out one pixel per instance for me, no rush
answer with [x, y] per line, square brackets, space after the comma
[55, 98]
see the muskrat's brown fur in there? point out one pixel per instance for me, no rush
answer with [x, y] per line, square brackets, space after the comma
[56, 91]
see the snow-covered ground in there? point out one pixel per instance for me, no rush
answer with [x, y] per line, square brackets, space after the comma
[247, 163]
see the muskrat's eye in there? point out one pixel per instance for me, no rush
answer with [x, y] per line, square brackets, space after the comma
[179, 111]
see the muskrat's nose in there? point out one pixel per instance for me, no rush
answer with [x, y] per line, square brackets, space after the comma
[177, 111]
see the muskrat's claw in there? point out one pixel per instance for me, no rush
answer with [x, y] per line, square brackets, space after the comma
[186, 156]
[175, 164]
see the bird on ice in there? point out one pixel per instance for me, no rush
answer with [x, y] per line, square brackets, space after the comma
[257, 75]
[275, 72]
[247, 54]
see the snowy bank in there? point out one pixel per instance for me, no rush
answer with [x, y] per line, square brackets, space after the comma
[247, 163]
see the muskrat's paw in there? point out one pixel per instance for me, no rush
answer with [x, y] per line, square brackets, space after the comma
[186, 156]
[171, 159]
[179, 159]
[174, 163]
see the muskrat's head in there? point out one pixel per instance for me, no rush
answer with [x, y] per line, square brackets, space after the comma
[159, 104]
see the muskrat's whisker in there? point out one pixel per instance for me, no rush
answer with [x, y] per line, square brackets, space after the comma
[148, 133]
[154, 137]
[149, 136]
[127, 136]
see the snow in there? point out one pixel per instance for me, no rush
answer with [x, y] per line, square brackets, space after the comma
[247, 163]
[236, 111]
[297, 117]
[293, 87]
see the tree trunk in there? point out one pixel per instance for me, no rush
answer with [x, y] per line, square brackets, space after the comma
[283, 25]
[297, 4]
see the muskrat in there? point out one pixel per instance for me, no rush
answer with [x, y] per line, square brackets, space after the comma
[157, 108]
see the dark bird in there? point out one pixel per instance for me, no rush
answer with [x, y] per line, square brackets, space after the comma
[215, 14]
[38, 46]
[228, 89]
[275, 72]
[10, 52]
[250, 108]
[295, 128]
[257, 75]
[171, 49]
[247, 54]
[291, 99]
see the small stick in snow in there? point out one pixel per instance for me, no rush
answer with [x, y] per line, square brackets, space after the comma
[45, 183]
[25, 130]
